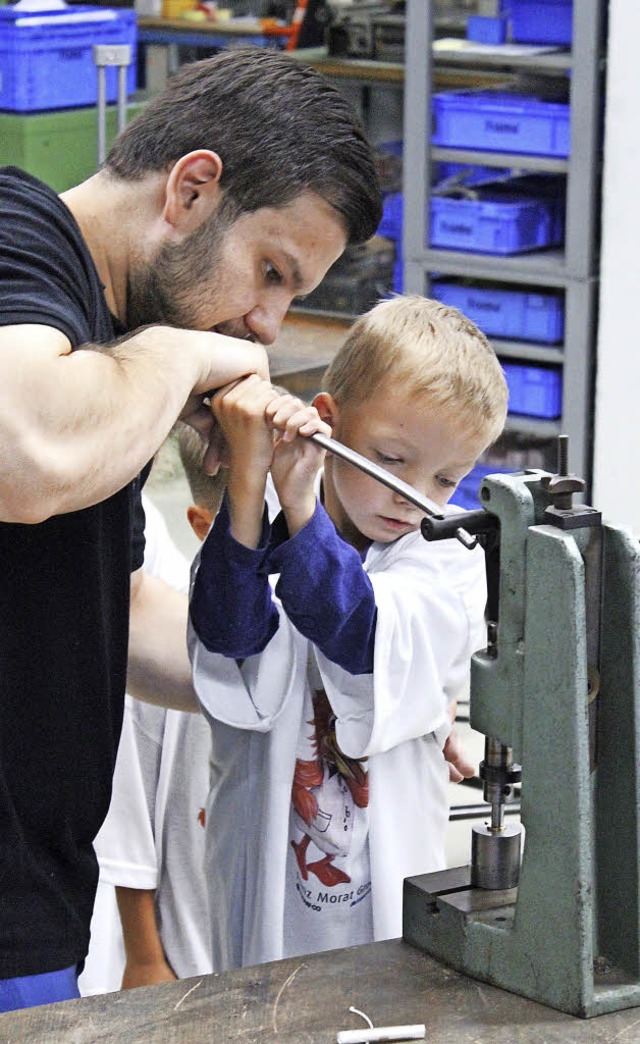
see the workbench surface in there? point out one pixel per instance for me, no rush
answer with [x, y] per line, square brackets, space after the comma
[306, 1000]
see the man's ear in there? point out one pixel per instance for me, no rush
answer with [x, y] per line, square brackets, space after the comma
[200, 520]
[327, 407]
[192, 191]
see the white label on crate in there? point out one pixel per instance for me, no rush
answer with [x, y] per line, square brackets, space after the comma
[66, 19]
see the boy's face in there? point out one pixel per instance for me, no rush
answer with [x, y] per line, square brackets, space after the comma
[422, 444]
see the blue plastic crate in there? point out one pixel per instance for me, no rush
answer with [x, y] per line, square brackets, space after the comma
[391, 223]
[507, 217]
[542, 21]
[534, 391]
[500, 121]
[509, 225]
[506, 313]
[483, 29]
[46, 57]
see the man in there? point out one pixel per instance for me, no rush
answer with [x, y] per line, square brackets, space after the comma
[122, 303]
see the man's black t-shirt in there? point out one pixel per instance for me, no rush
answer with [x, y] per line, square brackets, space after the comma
[64, 618]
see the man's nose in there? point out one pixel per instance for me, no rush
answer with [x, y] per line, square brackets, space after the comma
[264, 321]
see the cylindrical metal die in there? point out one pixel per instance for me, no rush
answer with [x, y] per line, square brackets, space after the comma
[495, 856]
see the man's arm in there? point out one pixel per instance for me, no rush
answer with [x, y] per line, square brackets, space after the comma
[76, 426]
[146, 963]
[159, 669]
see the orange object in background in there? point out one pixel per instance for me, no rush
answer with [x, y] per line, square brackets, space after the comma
[296, 24]
[272, 27]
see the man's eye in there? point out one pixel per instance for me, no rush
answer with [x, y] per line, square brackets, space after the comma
[271, 274]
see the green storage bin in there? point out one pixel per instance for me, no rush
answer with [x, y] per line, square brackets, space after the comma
[59, 147]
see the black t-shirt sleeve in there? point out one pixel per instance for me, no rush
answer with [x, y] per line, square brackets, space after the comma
[47, 276]
[46, 273]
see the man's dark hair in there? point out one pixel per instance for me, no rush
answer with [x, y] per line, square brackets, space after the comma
[279, 127]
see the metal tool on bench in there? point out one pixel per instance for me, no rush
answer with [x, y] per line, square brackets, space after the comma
[558, 689]
[366, 29]
[107, 56]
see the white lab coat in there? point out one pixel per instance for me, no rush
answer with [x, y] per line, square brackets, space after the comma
[430, 601]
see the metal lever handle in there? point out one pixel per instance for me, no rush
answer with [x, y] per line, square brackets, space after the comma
[376, 472]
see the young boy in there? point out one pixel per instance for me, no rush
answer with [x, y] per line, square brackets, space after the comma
[328, 695]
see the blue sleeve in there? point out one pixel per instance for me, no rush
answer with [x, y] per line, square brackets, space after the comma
[325, 591]
[231, 605]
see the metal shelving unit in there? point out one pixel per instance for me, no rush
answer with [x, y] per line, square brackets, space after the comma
[573, 269]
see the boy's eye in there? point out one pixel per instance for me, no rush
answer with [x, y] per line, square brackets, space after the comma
[445, 482]
[388, 461]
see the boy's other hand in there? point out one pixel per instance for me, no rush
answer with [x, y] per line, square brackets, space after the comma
[456, 756]
[454, 751]
[296, 458]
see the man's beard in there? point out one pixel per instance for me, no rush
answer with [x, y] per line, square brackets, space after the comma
[165, 290]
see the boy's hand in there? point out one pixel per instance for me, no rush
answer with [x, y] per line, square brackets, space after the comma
[239, 409]
[460, 767]
[296, 459]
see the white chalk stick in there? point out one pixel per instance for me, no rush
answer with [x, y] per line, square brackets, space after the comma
[381, 1034]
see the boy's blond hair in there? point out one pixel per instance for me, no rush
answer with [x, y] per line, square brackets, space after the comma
[206, 490]
[430, 349]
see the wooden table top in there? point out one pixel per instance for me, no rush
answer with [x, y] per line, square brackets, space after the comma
[306, 1000]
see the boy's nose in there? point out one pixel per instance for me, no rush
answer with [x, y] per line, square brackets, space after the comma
[416, 482]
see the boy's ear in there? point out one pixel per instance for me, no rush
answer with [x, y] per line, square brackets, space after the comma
[193, 190]
[200, 520]
[327, 407]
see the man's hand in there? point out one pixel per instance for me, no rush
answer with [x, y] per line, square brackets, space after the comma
[232, 360]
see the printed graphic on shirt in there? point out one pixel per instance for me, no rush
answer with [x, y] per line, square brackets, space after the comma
[330, 795]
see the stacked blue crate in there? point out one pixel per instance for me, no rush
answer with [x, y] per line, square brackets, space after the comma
[501, 121]
[506, 217]
[46, 56]
[501, 312]
[534, 391]
[541, 21]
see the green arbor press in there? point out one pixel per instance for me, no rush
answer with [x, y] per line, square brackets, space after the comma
[556, 690]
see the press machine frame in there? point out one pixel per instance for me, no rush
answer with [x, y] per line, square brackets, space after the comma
[558, 686]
